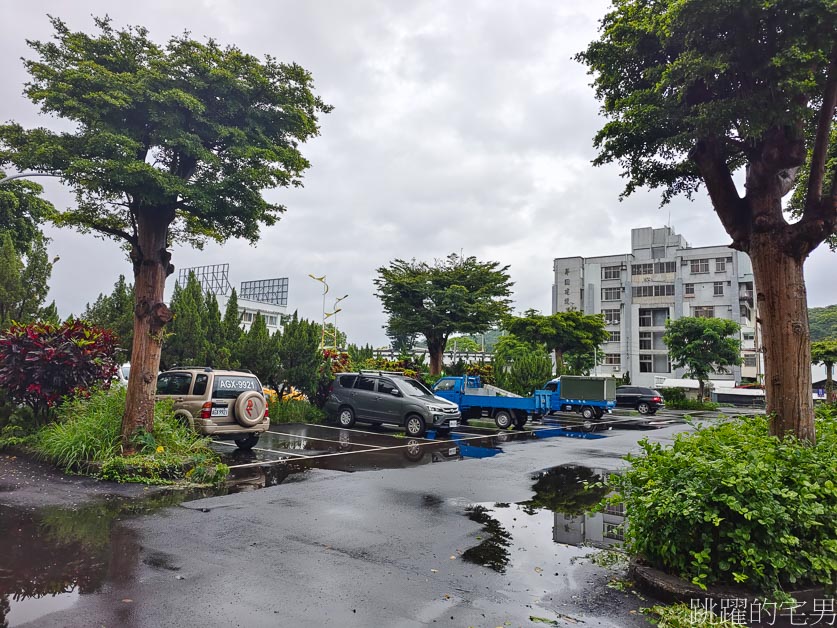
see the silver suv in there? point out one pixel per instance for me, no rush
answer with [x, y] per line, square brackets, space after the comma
[223, 404]
[386, 397]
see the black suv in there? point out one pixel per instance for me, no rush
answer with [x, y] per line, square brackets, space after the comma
[384, 397]
[644, 400]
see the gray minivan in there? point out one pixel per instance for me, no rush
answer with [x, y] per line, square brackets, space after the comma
[385, 397]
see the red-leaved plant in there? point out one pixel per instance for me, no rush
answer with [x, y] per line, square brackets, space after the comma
[40, 363]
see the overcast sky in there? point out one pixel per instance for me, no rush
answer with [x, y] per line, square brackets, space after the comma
[457, 127]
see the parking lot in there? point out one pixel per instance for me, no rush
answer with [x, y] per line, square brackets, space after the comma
[287, 449]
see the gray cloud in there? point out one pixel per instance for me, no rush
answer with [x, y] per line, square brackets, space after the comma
[457, 127]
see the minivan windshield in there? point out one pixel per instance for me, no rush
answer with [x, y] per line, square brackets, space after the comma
[414, 388]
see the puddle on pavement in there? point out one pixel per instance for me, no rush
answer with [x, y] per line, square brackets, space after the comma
[51, 556]
[536, 540]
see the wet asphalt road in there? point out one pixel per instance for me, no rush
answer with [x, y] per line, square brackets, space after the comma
[382, 545]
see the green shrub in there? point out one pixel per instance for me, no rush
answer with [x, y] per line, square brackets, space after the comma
[730, 504]
[294, 411]
[682, 616]
[690, 404]
[87, 435]
[672, 394]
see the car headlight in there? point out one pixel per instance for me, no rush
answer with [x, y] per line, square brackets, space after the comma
[435, 409]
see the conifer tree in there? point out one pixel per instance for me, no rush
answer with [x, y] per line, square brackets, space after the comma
[232, 332]
[184, 344]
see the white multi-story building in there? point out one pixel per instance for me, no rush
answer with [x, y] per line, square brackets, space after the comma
[661, 278]
[268, 297]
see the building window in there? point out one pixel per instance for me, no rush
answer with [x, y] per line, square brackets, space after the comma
[642, 269]
[646, 364]
[750, 360]
[611, 294]
[612, 317]
[643, 291]
[645, 318]
[718, 287]
[613, 531]
[749, 335]
[703, 311]
[566, 282]
[272, 320]
[653, 317]
[615, 509]
[611, 272]
[699, 266]
[721, 265]
[247, 317]
[614, 359]
[665, 267]
[645, 341]
[689, 289]
[666, 290]
[614, 336]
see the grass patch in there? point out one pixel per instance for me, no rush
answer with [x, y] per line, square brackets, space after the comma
[294, 411]
[681, 616]
[87, 439]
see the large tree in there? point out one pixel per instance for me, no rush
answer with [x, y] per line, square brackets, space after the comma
[825, 352]
[697, 90]
[456, 294]
[299, 355]
[23, 279]
[170, 143]
[703, 346]
[22, 210]
[572, 336]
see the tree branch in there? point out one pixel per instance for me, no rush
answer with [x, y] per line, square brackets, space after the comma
[730, 207]
[820, 153]
[118, 233]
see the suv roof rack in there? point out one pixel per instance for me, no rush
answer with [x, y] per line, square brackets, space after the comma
[206, 369]
[379, 372]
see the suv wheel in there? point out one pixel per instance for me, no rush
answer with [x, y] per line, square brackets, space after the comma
[248, 442]
[643, 407]
[346, 417]
[414, 426]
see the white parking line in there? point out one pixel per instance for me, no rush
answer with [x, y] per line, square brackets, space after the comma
[270, 451]
[351, 429]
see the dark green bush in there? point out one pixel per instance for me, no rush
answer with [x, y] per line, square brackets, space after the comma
[730, 504]
[294, 411]
[690, 404]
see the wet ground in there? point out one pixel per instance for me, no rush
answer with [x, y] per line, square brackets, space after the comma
[361, 527]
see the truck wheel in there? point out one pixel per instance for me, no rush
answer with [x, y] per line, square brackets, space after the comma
[599, 412]
[503, 419]
[588, 413]
[520, 421]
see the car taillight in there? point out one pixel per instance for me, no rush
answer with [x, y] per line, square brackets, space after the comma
[656, 399]
[206, 410]
[266, 412]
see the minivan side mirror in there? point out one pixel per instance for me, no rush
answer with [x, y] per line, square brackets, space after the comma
[394, 392]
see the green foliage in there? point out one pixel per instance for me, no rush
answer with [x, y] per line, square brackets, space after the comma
[221, 126]
[86, 438]
[703, 345]
[232, 333]
[528, 370]
[730, 504]
[676, 399]
[184, 343]
[463, 344]
[294, 411]
[22, 210]
[257, 350]
[573, 336]
[299, 355]
[23, 279]
[115, 311]
[41, 363]
[683, 616]
[823, 322]
[457, 294]
[215, 351]
[358, 354]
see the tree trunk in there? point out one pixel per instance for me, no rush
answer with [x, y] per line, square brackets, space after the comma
[701, 390]
[151, 267]
[783, 312]
[436, 350]
[830, 394]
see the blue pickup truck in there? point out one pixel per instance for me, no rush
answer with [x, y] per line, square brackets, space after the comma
[590, 396]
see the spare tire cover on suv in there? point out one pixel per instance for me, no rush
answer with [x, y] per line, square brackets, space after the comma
[249, 408]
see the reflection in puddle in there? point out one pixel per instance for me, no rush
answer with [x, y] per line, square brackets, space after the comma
[554, 525]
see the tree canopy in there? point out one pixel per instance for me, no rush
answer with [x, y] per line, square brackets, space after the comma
[115, 311]
[457, 294]
[170, 143]
[703, 346]
[24, 279]
[823, 322]
[573, 336]
[697, 89]
[22, 211]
